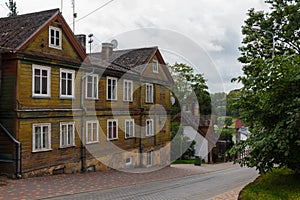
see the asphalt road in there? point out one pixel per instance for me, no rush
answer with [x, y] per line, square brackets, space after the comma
[195, 187]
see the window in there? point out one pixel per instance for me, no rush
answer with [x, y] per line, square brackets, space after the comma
[129, 128]
[92, 135]
[149, 158]
[149, 127]
[55, 37]
[91, 87]
[67, 136]
[40, 81]
[67, 83]
[149, 93]
[112, 129]
[155, 66]
[111, 88]
[41, 137]
[127, 90]
[129, 161]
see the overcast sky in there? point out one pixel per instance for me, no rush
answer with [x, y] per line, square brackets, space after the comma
[205, 34]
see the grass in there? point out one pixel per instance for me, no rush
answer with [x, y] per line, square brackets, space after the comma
[183, 162]
[280, 184]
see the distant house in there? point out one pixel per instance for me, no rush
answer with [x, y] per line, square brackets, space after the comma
[200, 129]
[242, 131]
[64, 111]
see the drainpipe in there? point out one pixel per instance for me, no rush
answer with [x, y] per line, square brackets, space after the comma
[83, 115]
[18, 153]
[141, 125]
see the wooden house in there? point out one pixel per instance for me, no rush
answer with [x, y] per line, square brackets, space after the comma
[64, 111]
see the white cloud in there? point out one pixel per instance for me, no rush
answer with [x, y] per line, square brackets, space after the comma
[214, 25]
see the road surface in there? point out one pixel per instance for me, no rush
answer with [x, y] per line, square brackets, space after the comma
[195, 187]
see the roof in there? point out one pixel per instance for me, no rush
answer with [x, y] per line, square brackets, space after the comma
[15, 31]
[133, 61]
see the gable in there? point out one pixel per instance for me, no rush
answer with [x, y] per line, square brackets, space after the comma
[38, 41]
[14, 31]
[40, 44]
[156, 69]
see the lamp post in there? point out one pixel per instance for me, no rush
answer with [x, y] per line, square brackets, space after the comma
[257, 29]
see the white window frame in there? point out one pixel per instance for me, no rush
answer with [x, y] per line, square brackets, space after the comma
[149, 92]
[94, 84]
[127, 91]
[72, 72]
[107, 129]
[67, 137]
[149, 158]
[131, 128]
[155, 66]
[94, 124]
[41, 68]
[41, 126]
[149, 127]
[130, 161]
[114, 93]
[54, 45]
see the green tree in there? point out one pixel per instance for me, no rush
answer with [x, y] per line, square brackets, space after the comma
[232, 97]
[188, 86]
[228, 121]
[12, 6]
[270, 100]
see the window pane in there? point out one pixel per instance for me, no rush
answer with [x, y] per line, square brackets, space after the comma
[37, 85]
[109, 89]
[37, 131]
[45, 137]
[44, 85]
[95, 132]
[69, 85]
[63, 87]
[114, 129]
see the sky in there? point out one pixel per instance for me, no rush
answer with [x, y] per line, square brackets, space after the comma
[204, 34]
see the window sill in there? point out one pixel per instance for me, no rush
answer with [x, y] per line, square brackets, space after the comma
[67, 98]
[67, 147]
[41, 151]
[96, 142]
[114, 139]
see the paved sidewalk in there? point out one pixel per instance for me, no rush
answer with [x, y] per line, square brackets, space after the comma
[51, 186]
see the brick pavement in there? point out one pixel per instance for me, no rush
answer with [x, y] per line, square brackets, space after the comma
[50, 186]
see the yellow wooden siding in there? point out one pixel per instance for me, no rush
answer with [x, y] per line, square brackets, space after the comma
[148, 72]
[56, 156]
[41, 45]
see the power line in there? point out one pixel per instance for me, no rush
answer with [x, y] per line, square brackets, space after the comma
[102, 6]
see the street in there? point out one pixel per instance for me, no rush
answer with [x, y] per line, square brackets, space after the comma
[199, 186]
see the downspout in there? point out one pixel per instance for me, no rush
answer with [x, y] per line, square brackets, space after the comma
[18, 153]
[83, 115]
[141, 125]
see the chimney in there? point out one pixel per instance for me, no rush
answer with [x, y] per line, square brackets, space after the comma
[106, 52]
[81, 38]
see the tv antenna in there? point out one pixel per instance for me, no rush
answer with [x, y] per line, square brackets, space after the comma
[74, 15]
[114, 43]
[90, 41]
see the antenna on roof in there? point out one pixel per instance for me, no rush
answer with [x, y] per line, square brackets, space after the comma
[91, 41]
[74, 15]
[114, 43]
[61, 6]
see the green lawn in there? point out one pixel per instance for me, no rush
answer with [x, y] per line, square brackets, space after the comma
[280, 184]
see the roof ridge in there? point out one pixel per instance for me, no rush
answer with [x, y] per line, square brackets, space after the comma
[33, 13]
